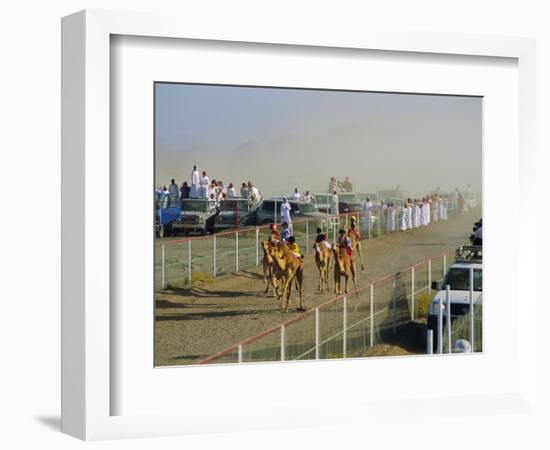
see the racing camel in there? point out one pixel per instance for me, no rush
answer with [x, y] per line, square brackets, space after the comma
[267, 265]
[344, 266]
[288, 267]
[322, 259]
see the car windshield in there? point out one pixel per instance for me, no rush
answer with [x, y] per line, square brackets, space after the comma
[195, 205]
[305, 208]
[346, 197]
[232, 205]
[459, 279]
[268, 206]
[321, 199]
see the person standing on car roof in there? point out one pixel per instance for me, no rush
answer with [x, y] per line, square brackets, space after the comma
[184, 191]
[253, 191]
[285, 213]
[195, 183]
[231, 193]
[204, 182]
[296, 195]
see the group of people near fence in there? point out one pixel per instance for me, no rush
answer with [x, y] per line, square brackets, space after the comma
[202, 187]
[412, 214]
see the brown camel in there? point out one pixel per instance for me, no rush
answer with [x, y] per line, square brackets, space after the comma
[288, 267]
[267, 265]
[344, 266]
[322, 259]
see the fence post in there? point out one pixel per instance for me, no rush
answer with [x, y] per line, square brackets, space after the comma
[282, 342]
[430, 340]
[257, 246]
[345, 325]
[412, 291]
[429, 275]
[316, 333]
[448, 308]
[394, 304]
[444, 263]
[472, 317]
[307, 236]
[440, 327]
[163, 280]
[240, 354]
[189, 260]
[236, 251]
[371, 314]
[215, 255]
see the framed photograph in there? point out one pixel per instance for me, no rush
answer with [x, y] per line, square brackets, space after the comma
[270, 228]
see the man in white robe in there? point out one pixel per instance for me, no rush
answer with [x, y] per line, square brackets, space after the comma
[334, 209]
[285, 214]
[403, 218]
[195, 183]
[409, 215]
[428, 210]
[204, 182]
[367, 208]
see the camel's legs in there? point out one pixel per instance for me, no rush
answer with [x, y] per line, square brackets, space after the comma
[287, 286]
[353, 273]
[300, 286]
[360, 256]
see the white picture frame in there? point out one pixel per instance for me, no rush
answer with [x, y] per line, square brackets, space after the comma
[87, 386]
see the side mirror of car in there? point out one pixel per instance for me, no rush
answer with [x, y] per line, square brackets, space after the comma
[435, 285]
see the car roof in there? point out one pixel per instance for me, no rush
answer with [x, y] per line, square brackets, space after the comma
[466, 265]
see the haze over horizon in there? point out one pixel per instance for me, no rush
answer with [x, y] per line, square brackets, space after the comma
[284, 138]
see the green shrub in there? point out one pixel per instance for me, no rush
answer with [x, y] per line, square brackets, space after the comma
[422, 304]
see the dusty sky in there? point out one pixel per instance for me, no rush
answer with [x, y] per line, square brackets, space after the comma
[286, 138]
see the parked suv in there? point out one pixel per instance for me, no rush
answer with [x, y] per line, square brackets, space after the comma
[193, 216]
[234, 212]
[467, 257]
[269, 211]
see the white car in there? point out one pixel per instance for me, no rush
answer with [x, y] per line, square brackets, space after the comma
[468, 258]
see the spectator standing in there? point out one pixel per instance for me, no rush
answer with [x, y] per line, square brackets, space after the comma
[231, 193]
[195, 183]
[204, 182]
[333, 185]
[244, 191]
[173, 191]
[253, 191]
[308, 197]
[367, 208]
[285, 214]
[334, 203]
[296, 195]
[185, 191]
